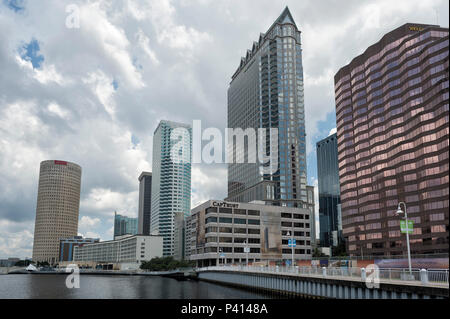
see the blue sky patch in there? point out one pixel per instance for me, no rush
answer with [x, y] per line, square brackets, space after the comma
[134, 140]
[30, 52]
[16, 5]
[324, 127]
[115, 84]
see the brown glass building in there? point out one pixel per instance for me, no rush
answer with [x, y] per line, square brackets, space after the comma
[392, 114]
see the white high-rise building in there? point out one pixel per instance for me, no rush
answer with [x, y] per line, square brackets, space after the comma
[171, 179]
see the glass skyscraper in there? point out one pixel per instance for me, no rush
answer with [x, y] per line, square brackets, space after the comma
[171, 180]
[329, 191]
[392, 113]
[266, 91]
[124, 225]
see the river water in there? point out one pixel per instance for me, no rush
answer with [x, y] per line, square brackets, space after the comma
[35, 286]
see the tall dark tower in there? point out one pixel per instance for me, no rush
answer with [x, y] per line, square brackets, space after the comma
[145, 203]
[329, 192]
[267, 92]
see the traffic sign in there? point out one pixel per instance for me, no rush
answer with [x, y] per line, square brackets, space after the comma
[222, 255]
[292, 243]
[405, 229]
[246, 249]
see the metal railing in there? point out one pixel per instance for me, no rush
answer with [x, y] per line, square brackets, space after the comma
[417, 276]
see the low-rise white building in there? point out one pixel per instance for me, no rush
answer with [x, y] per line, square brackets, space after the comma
[130, 251]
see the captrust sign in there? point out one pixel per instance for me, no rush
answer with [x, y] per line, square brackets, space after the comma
[224, 204]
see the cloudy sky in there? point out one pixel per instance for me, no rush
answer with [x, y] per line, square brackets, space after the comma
[93, 95]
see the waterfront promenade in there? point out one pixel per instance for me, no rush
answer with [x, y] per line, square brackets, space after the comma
[341, 283]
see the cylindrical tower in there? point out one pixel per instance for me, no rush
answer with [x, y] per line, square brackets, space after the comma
[57, 209]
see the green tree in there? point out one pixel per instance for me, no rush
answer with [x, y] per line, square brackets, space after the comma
[318, 253]
[43, 264]
[165, 264]
[23, 263]
[340, 251]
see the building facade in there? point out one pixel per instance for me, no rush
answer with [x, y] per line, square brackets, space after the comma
[57, 209]
[124, 225]
[179, 237]
[392, 113]
[329, 192]
[171, 180]
[267, 92]
[311, 207]
[131, 250]
[219, 232]
[10, 262]
[145, 203]
[66, 246]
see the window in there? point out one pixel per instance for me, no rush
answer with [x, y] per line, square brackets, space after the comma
[253, 221]
[240, 212]
[225, 210]
[253, 213]
[225, 220]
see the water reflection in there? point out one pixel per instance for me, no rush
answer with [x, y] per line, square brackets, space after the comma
[115, 287]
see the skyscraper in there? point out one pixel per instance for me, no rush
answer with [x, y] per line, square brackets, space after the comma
[329, 191]
[145, 203]
[124, 225]
[266, 91]
[57, 209]
[171, 180]
[392, 116]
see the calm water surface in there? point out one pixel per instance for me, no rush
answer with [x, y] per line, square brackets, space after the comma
[115, 287]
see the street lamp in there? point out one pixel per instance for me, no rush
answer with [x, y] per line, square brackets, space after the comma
[247, 249]
[399, 212]
[220, 255]
[292, 246]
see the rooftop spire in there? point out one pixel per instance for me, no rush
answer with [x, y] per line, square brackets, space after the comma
[286, 17]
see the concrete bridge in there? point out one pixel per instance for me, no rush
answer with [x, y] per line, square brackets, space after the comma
[338, 283]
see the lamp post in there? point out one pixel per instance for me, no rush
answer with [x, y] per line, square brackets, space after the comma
[292, 246]
[220, 253]
[399, 212]
[247, 249]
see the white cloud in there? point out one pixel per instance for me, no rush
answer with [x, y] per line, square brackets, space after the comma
[113, 40]
[58, 110]
[144, 42]
[88, 222]
[16, 239]
[44, 75]
[208, 183]
[102, 87]
[105, 202]
[332, 131]
[168, 33]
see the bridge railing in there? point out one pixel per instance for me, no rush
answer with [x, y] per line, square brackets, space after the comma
[419, 276]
